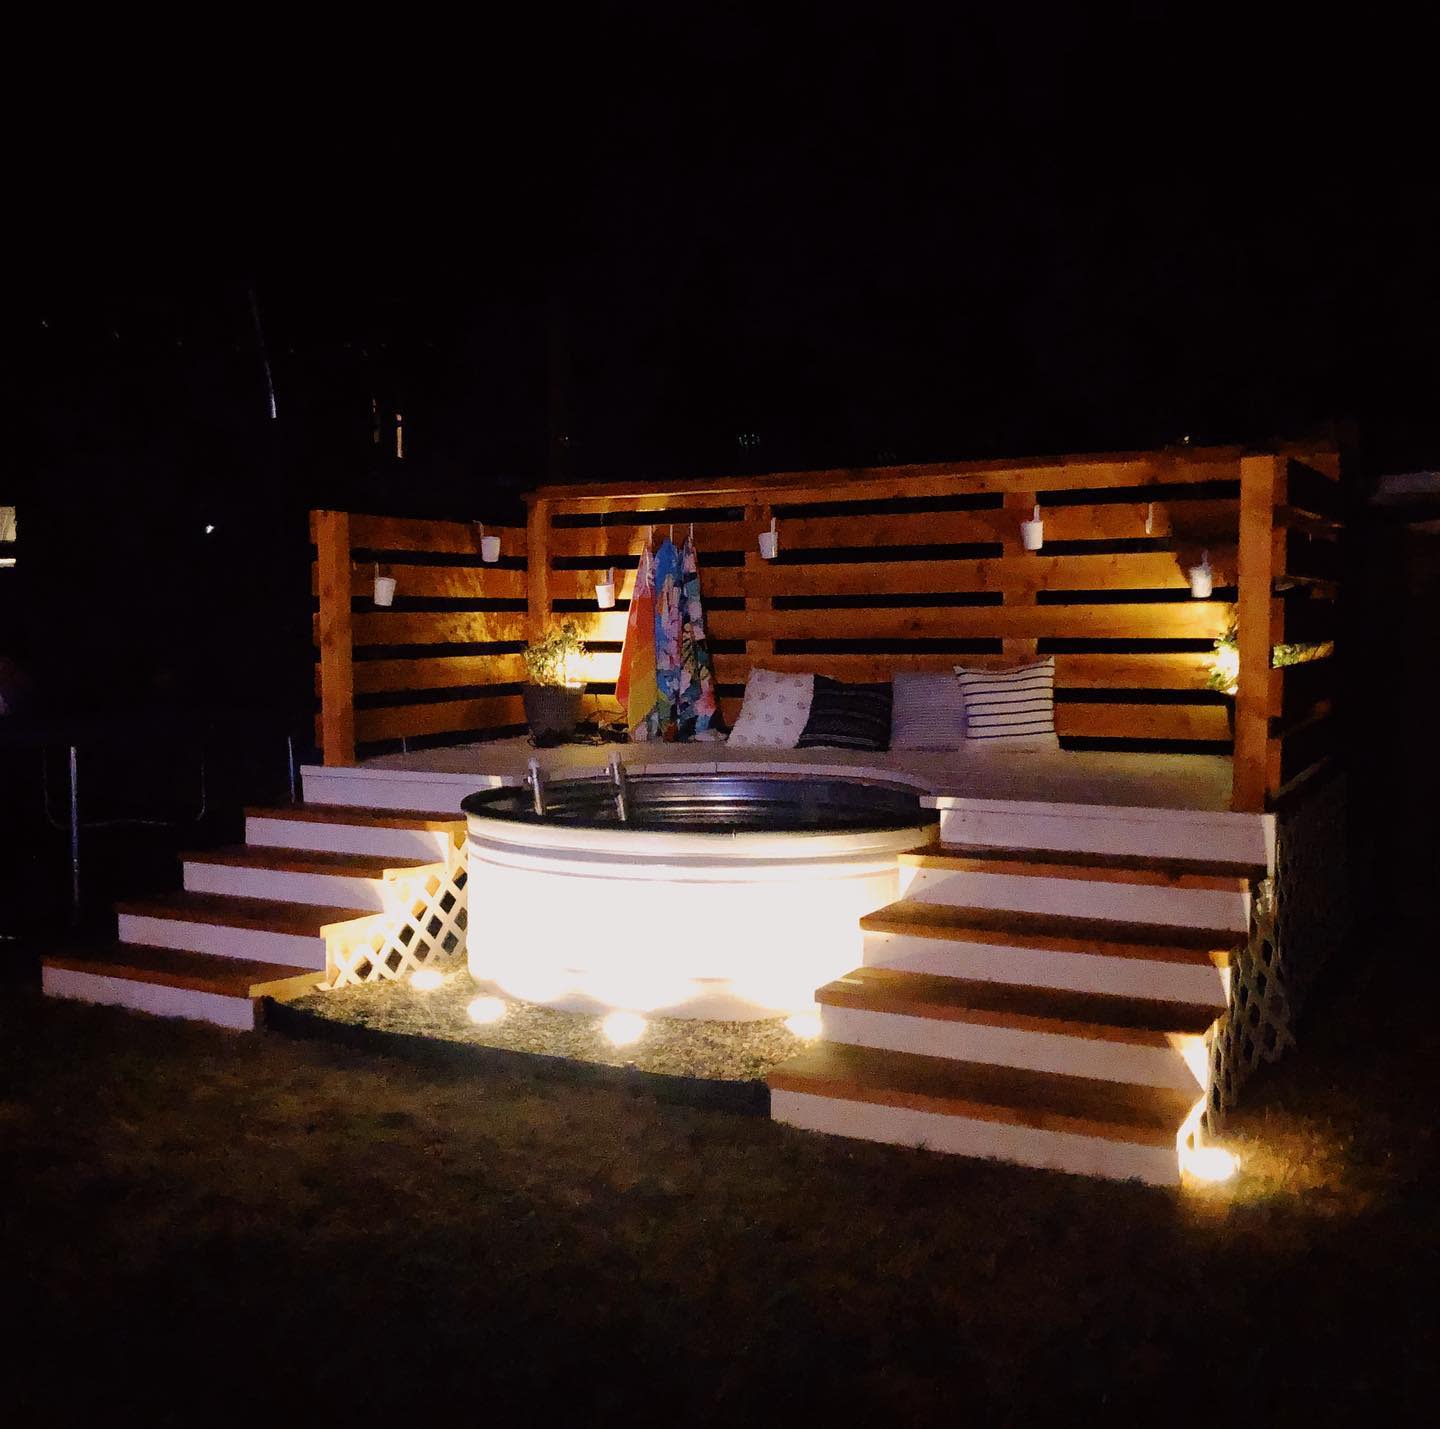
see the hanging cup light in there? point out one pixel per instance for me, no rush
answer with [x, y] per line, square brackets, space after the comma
[1202, 578]
[605, 590]
[1032, 532]
[384, 588]
[770, 541]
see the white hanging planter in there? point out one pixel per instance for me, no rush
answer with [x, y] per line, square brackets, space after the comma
[605, 591]
[1032, 532]
[1202, 579]
[770, 541]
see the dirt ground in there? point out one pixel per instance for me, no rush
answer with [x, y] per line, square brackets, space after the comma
[197, 1226]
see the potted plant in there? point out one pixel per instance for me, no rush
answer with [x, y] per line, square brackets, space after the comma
[552, 695]
[1225, 670]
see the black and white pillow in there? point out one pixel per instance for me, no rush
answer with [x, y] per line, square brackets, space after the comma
[1010, 708]
[846, 716]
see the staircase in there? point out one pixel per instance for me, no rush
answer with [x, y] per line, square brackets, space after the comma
[1050, 1007]
[275, 916]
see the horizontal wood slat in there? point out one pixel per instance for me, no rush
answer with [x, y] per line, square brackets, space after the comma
[1149, 570]
[445, 717]
[395, 533]
[453, 582]
[438, 627]
[933, 479]
[436, 673]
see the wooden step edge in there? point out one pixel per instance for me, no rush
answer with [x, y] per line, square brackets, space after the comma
[905, 925]
[190, 971]
[901, 1004]
[313, 861]
[300, 920]
[843, 1087]
[353, 814]
[1234, 878]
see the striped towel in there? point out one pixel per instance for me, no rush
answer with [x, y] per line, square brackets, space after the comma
[1012, 707]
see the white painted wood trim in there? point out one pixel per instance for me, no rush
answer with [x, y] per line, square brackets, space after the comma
[158, 999]
[1201, 984]
[1078, 897]
[966, 1136]
[249, 944]
[286, 886]
[1094, 828]
[1009, 1047]
[347, 838]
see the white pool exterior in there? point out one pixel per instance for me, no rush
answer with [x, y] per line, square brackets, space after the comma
[719, 926]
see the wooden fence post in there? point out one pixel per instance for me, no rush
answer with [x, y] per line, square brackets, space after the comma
[337, 677]
[537, 557]
[1262, 489]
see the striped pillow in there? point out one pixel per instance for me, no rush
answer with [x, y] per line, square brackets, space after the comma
[1015, 708]
[846, 716]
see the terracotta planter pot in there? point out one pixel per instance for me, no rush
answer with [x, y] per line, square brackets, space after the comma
[552, 711]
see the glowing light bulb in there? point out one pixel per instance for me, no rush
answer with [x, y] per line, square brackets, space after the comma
[1211, 1163]
[485, 1010]
[426, 979]
[804, 1024]
[623, 1028]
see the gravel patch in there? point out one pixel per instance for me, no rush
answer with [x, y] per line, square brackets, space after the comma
[671, 1046]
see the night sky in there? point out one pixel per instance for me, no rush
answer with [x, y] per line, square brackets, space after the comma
[861, 240]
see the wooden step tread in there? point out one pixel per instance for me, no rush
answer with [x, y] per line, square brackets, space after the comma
[351, 814]
[1056, 932]
[1116, 1111]
[1094, 867]
[304, 860]
[1100, 1016]
[261, 914]
[198, 972]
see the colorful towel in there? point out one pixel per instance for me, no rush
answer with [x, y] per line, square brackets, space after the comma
[635, 687]
[696, 698]
[669, 640]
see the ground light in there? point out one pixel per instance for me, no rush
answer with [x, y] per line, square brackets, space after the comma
[804, 1024]
[1209, 1163]
[485, 1010]
[426, 979]
[623, 1028]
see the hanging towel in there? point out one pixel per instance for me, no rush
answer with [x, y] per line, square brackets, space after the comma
[635, 687]
[669, 623]
[696, 699]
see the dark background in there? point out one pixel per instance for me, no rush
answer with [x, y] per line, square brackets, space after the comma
[691, 241]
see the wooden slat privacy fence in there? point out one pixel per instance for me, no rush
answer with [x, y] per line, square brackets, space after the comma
[903, 568]
[443, 660]
[923, 568]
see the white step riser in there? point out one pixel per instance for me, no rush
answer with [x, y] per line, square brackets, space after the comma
[1232, 838]
[347, 838]
[1078, 898]
[158, 999]
[249, 944]
[967, 1136]
[1031, 967]
[1010, 1047]
[280, 886]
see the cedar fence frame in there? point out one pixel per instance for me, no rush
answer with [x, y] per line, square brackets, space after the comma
[886, 569]
[444, 660]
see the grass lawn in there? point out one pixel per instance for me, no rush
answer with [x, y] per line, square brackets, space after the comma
[196, 1225]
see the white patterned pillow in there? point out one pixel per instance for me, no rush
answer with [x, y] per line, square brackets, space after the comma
[774, 710]
[1014, 709]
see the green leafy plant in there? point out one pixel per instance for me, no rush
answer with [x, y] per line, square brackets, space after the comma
[1225, 663]
[548, 661]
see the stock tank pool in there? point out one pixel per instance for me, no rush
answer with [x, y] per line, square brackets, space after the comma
[719, 896]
